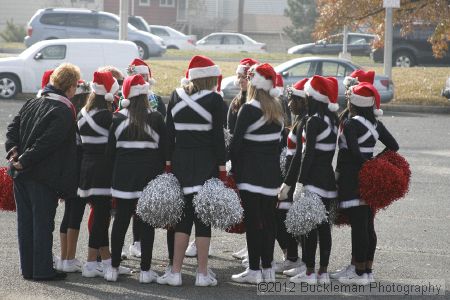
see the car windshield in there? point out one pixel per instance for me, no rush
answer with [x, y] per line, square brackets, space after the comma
[248, 39]
[130, 27]
[29, 51]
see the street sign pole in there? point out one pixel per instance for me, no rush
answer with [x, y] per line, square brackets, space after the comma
[388, 43]
[123, 26]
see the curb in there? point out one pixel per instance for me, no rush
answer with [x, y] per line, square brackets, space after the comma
[427, 109]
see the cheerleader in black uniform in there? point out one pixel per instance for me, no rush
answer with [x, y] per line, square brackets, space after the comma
[255, 159]
[316, 171]
[356, 142]
[291, 265]
[197, 148]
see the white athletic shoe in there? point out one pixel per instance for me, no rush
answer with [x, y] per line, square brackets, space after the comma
[92, 272]
[323, 278]
[147, 276]
[295, 271]
[71, 266]
[353, 278]
[58, 263]
[342, 272]
[124, 270]
[124, 254]
[241, 254]
[370, 278]
[191, 250]
[169, 278]
[245, 263]
[268, 275]
[309, 279]
[202, 280]
[248, 276]
[286, 264]
[111, 274]
[135, 249]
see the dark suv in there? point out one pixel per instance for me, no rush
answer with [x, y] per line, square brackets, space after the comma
[411, 49]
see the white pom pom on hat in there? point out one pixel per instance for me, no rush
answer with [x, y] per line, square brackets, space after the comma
[184, 81]
[333, 107]
[125, 103]
[378, 112]
[109, 97]
[274, 92]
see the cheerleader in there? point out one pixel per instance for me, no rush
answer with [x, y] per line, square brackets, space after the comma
[291, 265]
[136, 148]
[255, 158]
[118, 75]
[316, 171]
[356, 145]
[94, 121]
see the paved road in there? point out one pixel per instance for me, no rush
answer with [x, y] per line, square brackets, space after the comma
[413, 238]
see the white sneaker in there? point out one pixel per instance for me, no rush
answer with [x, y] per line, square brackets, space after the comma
[173, 279]
[135, 249]
[111, 274]
[124, 254]
[191, 250]
[210, 272]
[268, 275]
[58, 263]
[342, 272]
[248, 276]
[71, 266]
[245, 263]
[370, 278]
[91, 272]
[280, 267]
[353, 278]
[202, 280]
[309, 279]
[295, 271]
[323, 278]
[241, 254]
[147, 276]
[124, 270]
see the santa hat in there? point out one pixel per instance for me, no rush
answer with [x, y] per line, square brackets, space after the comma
[298, 89]
[366, 95]
[264, 77]
[138, 66]
[323, 89]
[82, 87]
[202, 67]
[243, 67]
[105, 84]
[133, 86]
[280, 83]
[358, 76]
[46, 78]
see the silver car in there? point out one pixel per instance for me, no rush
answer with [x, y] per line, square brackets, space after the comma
[299, 68]
[66, 23]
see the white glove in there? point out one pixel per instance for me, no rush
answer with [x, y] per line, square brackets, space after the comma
[283, 193]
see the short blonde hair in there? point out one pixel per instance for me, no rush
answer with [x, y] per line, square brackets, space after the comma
[116, 73]
[270, 106]
[196, 85]
[65, 76]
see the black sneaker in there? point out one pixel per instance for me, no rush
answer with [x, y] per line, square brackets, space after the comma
[57, 276]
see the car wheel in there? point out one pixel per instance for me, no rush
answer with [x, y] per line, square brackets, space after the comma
[9, 86]
[143, 50]
[403, 59]
[173, 47]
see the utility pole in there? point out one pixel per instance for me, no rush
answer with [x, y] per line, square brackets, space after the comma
[388, 29]
[240, 28]
[123, 25]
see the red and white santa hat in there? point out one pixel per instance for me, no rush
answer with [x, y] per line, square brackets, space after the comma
[280, 83]
[105, 84]
[358, 76]
[201, 67]
[244, 65]
[138, 66]
[133, 86]
[323, 89]
[264, 77]
[46, 78]
[82, 87]
[365, 94]
[298, 89]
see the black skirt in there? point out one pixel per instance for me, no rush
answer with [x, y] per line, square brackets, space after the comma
[95, 176]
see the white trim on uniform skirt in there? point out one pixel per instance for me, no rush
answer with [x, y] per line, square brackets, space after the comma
[125, 195]
[352, 203]
[258, 189]
[321, 192]
[192, 189]
[94, 192]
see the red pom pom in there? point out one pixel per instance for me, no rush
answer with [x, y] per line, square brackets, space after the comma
[381, 183]
[7, 201]
[240, 227]
[398, 161]
[341, 219]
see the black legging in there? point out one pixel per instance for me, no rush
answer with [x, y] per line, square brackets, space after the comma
[260, 223]
[136, 228]
[188, 219]
[323, 232]
[170, 243]
[73, 214]
[364, 238]
[101, 216]
[125, 209]
[285, 239]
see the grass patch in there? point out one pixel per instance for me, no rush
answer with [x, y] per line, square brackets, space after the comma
[10, 45]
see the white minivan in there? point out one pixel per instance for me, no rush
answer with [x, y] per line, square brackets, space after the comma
[23, 74]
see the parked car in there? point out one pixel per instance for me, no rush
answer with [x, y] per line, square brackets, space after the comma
[22, 74]
[230, 42]
[412, 49]
[138, 22]
[446, 90]
[357, 44]
[173, 38]
[299, 68]
[60, 23]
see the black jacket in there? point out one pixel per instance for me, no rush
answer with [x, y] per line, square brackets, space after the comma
[44, 133]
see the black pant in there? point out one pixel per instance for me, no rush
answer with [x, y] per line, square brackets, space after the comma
[73, 214]
[170, 243]
[285, 239]
[101, 207]
[188, 219]
[260, 223]
[136, 228]
[323, 232]
[364, 238]
[125, 209]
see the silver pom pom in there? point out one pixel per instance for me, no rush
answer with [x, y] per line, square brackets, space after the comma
[217, 205]
[283, 162]
[227, 136]
[306, 213]
[161, 203]
[333, 212]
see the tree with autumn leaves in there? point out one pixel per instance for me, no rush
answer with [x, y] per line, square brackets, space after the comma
[332, 15]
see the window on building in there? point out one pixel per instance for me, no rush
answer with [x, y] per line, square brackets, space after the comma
[144, 2]
[167, 3]
[54, 52]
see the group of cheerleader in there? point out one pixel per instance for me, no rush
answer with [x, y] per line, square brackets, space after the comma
[126, 138]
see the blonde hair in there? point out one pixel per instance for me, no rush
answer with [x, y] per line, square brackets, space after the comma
[116, 73]
[196, 85]
[65, 76]
[270, 106]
